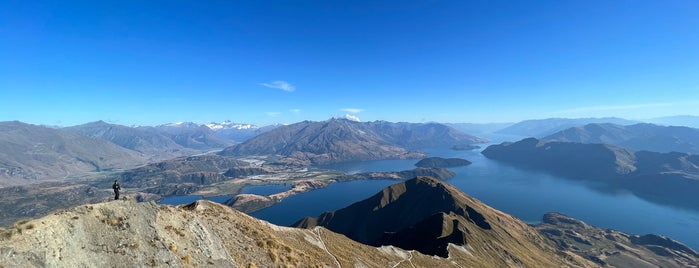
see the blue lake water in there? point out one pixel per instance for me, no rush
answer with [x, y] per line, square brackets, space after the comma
[523, 193]
[253, 189]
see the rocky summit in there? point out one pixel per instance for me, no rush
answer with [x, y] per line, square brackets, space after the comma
[203, 234]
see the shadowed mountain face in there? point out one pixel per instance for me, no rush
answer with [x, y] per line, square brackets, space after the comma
[30, 153]
[426, 215]
[339, 140]
[661, 177]
[647, 137]
[544, 127]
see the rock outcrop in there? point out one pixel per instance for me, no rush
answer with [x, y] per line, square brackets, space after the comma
[612, 248]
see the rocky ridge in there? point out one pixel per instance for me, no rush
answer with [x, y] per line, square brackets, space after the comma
[127, 233]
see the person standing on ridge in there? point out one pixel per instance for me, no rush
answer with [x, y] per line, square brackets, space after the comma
[116, 188]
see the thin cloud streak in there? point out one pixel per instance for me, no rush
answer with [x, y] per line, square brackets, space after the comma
[352, 110]
[273, 114]
[280, 84]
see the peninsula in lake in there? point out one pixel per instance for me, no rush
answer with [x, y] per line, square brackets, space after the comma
[671, 178]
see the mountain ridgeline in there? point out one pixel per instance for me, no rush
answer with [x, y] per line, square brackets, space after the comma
[543, 127]
[646, 137]
[661, 177]
[31, 154]
[340, 140]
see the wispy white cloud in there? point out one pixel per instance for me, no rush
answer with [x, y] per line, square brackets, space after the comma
[352, 110]
[295, 111]
[273, 114]
[280, 84]
[608, 108]
[352, 117]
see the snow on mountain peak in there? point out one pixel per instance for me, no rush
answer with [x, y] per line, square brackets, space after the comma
[230, 125]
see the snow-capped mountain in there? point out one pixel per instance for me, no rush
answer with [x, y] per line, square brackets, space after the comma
[230, 125]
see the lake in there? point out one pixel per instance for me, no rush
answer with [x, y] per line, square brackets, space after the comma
[523, 193]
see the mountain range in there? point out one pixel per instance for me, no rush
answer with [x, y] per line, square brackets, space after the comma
[661, 177]
[647, 137]
[340, 140]
[676, 120]
[31, 153]
[148, 141]
[238, 132]
[419, 223]
[543, 127]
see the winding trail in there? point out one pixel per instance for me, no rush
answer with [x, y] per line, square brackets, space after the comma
[409, 259]
[317, 232]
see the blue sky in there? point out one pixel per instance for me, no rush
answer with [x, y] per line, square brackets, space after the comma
[262, 62]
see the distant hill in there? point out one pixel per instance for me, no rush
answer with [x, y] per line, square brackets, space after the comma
[31, 153]
[544, 127]
[677, 120]
[192, 135]
[432, 217]
[647, 137]
[475, 128]
[148, 141]
[671, 178]
[339, 140]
